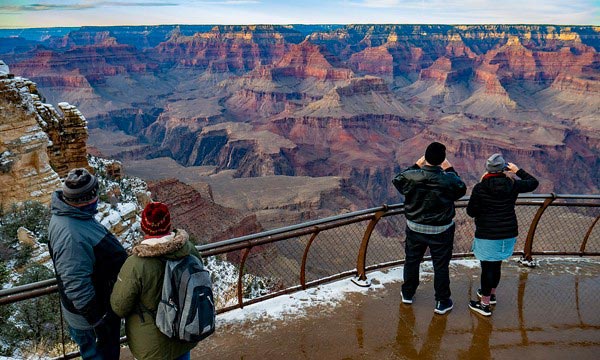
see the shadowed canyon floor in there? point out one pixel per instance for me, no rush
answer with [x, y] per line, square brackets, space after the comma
[549, 312]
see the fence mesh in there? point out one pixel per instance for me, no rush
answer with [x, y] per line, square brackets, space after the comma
[387, 240]
[334, 251]
[593, 243]
[562, 228]
[224, 271]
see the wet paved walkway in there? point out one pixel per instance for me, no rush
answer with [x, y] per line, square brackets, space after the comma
[549, 312]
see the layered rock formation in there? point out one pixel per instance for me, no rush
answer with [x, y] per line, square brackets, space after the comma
[38, 144]
[25, 171]
[228, 48]
[204, 220]
[68, 136]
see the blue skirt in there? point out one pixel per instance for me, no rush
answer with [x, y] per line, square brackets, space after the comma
[493, 250]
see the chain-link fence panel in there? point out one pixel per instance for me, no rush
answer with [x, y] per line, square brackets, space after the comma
[334, 251]
[387, 240]
[562, 229]
[593, 241]
[525, 215]
[224, 272]
[277, 264]
[464, 233]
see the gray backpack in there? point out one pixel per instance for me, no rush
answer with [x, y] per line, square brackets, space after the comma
[186, 310]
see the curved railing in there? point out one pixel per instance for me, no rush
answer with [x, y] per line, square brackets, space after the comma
[297, 257]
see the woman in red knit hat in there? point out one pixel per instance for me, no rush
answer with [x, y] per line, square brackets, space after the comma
[138, 289]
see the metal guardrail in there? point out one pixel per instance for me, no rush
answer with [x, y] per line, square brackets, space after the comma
[351, 244]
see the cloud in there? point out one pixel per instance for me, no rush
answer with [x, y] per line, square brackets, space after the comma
[78, 5]
[229, 2]
[482, 11]
[378, 3]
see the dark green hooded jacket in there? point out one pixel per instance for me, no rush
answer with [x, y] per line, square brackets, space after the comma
[137, 292]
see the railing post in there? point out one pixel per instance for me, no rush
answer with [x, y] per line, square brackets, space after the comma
[240, 293]
[587, 236]
[527, 260]
[305, 256]
[361, 277]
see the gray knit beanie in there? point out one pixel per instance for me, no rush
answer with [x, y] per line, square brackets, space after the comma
[80, 186]
[495, 163]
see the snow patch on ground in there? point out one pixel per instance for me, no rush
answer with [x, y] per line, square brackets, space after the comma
[331, 294]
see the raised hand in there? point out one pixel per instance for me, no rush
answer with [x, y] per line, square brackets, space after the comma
[446, 164]
[512, 168]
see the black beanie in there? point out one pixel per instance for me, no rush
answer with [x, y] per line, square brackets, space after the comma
[435, 153]
[80, 186]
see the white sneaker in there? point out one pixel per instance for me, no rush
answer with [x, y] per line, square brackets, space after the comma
[528, 263]
[406, 300]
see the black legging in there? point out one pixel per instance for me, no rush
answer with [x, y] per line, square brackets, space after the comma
[490, 276]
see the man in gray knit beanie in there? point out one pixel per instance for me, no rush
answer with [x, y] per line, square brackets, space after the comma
[87, 259]
[80, 187]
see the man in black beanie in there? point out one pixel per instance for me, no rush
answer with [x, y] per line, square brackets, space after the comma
[87, 259]
[430, 187]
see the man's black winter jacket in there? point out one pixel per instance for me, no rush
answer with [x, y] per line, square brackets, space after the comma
[492, 204]
[430, 193]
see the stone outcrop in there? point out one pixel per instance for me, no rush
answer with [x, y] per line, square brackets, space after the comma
[373, 61]
[68, 136]
[38, 144]
[306, 60]
[203, 219]
[228, 48]
[25, 171]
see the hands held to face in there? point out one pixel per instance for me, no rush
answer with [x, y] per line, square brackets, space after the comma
[445, 165]
[512, 168]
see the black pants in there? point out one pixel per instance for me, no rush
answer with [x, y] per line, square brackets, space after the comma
[440, 247]
[490, 276]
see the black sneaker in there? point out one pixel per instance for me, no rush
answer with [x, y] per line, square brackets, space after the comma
[480, 308]
[442, 307]
[492, 297]
[406, 300]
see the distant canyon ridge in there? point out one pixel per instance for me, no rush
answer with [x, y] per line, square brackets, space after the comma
[300, 121]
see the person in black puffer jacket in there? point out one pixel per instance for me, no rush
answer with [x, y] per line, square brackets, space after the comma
[430, 187]
[492, 204]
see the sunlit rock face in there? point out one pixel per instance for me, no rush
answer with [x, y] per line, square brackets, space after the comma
[25, 171]
[205, 220]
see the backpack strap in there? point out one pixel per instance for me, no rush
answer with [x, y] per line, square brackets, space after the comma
[141, 308]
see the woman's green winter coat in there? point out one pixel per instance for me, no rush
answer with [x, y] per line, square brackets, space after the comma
[139, 287]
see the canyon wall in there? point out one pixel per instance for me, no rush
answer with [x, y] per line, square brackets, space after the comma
[356, 101]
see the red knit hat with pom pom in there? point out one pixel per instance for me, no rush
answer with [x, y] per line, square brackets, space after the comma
[156, 219]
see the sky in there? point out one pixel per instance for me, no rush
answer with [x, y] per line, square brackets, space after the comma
[52, 13]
